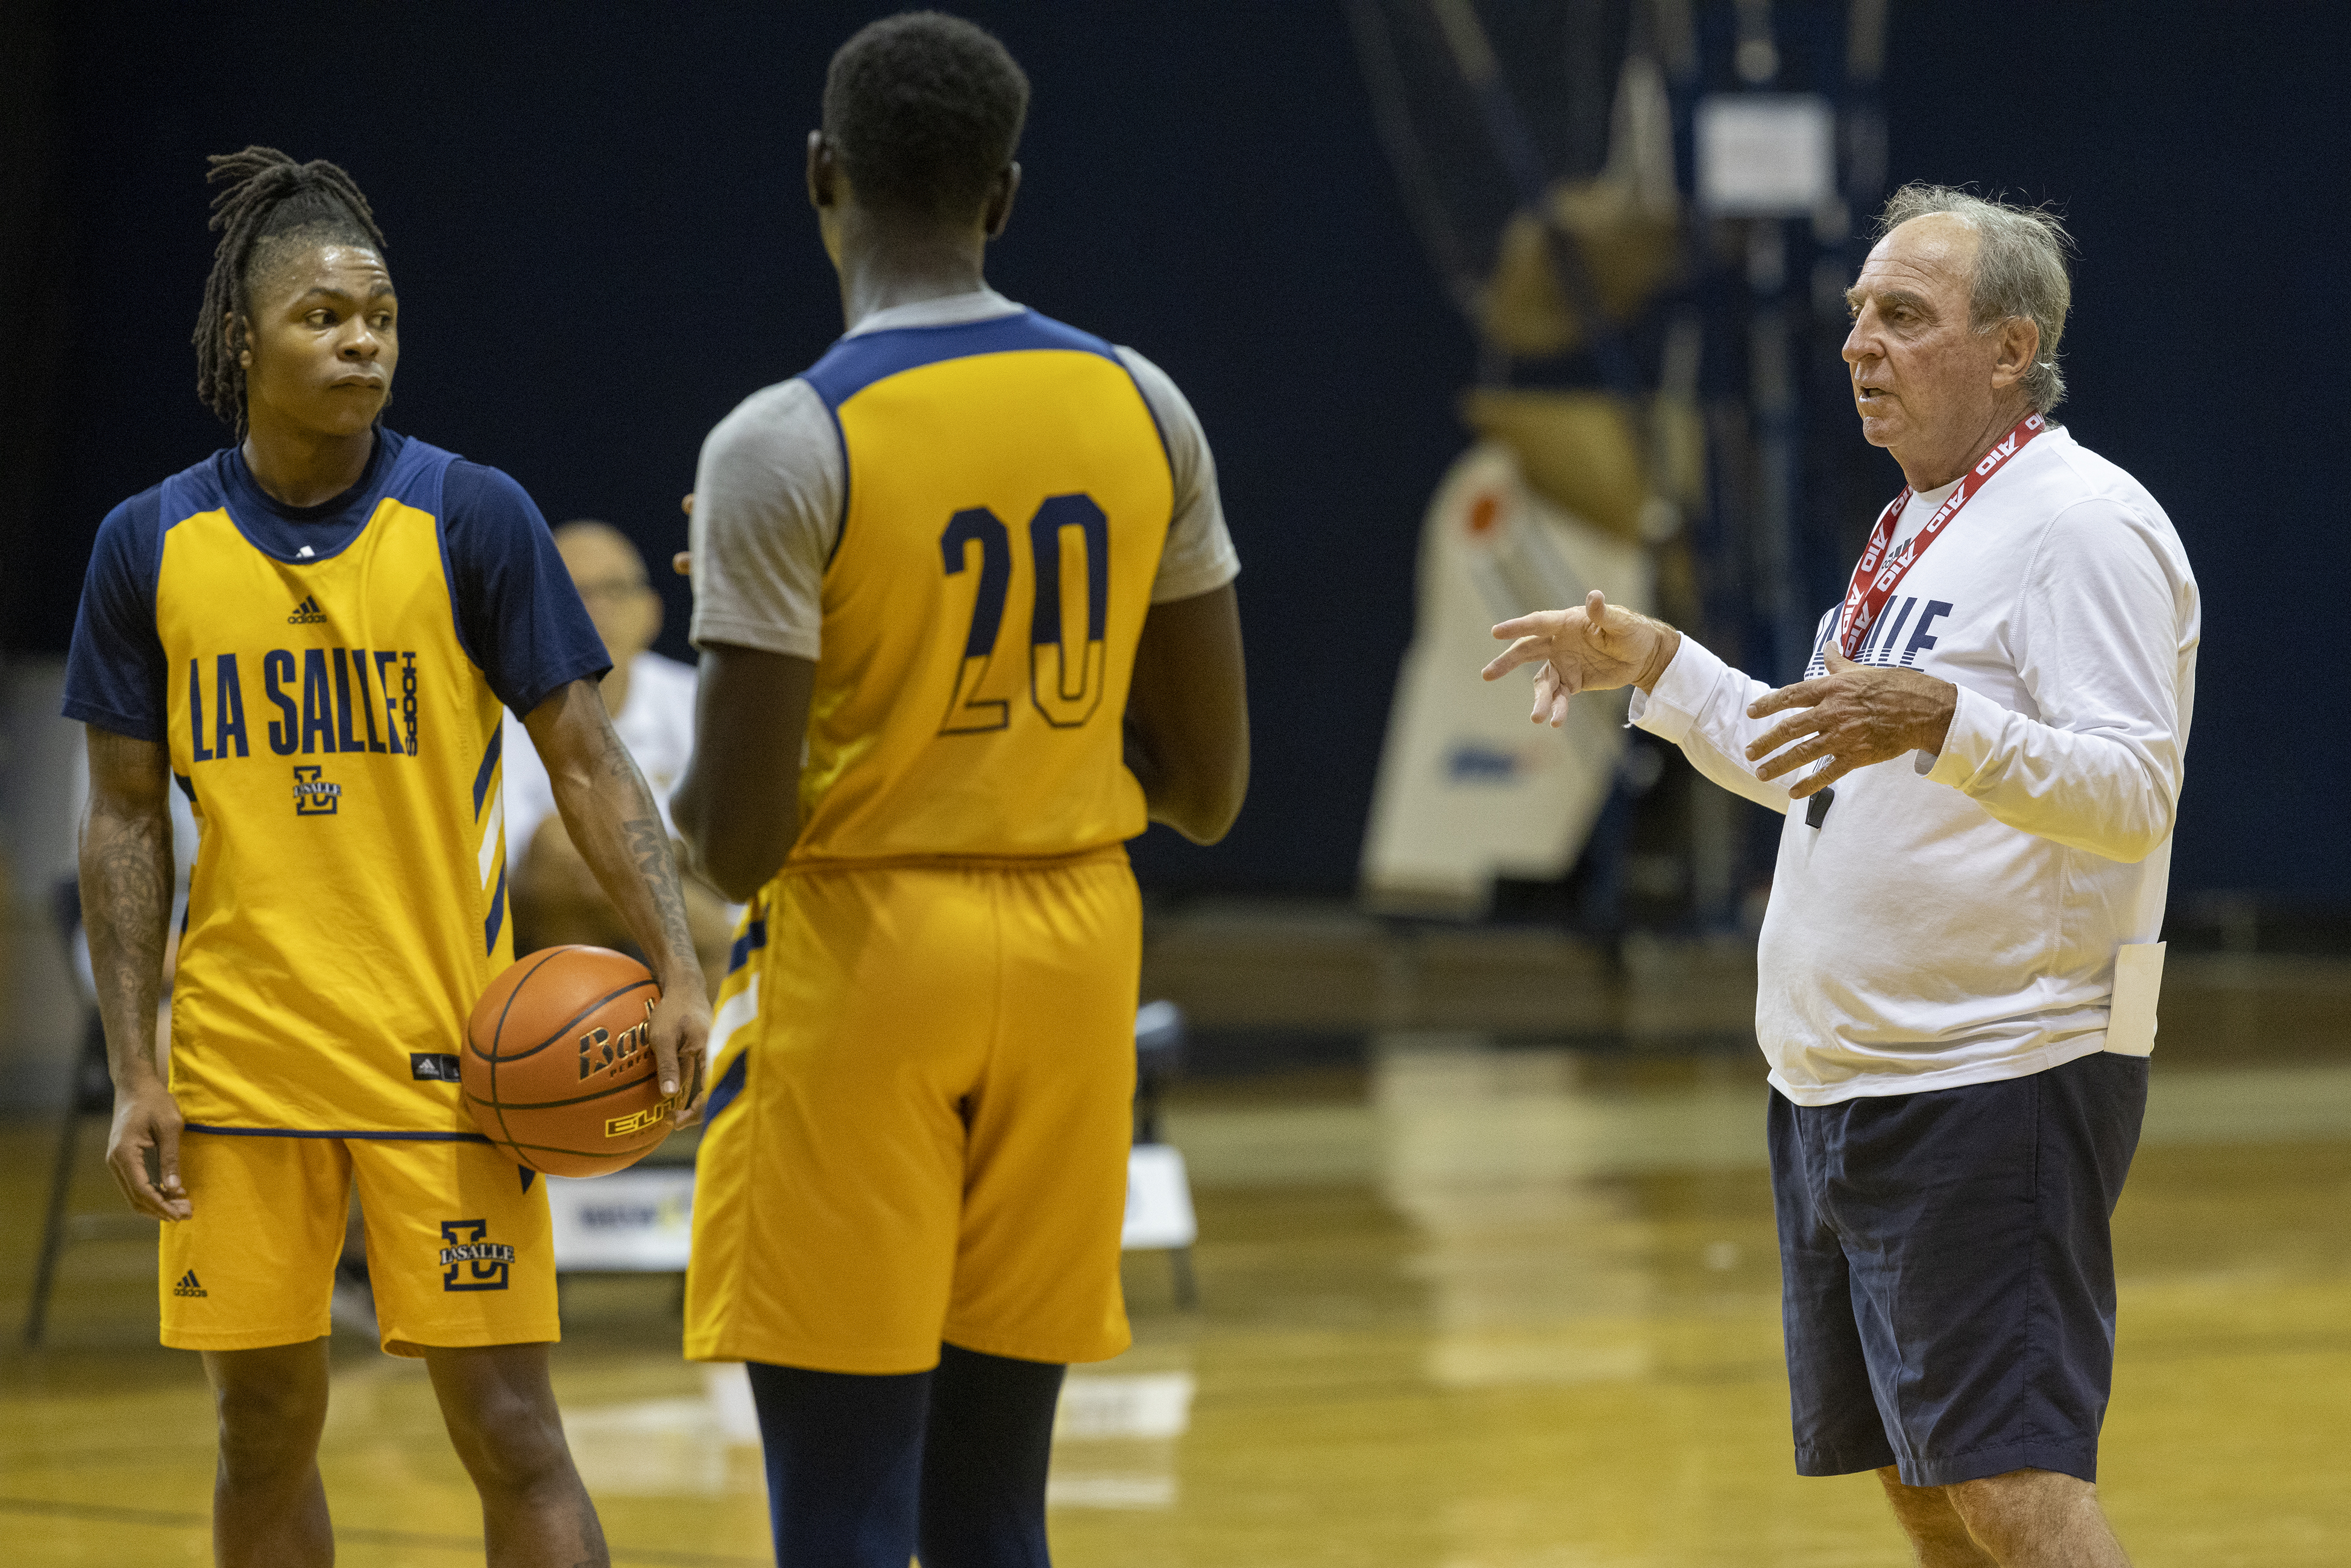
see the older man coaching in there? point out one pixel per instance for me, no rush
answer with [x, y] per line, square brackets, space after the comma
[1956, 973]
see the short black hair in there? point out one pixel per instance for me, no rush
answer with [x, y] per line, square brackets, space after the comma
[924, 111]
[266, 200]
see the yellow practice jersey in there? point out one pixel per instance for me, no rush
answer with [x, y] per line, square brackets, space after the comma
[340, 746]
[1007, 498]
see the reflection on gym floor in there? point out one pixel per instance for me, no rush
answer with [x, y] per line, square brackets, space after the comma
[1463, 1304]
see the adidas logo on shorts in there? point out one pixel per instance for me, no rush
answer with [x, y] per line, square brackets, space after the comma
[188, 1286]
[306, 614]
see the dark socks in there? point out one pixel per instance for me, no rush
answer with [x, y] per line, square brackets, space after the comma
[844, 1460]
[860, 1470]
[984, 1461]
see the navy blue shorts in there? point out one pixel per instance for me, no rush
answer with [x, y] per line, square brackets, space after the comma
[1948, 1274]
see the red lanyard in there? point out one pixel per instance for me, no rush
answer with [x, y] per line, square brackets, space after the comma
[1874, 584]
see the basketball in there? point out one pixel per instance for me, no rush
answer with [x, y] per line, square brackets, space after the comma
[558, 1068]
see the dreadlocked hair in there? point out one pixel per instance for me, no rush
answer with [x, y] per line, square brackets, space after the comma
[266, 200]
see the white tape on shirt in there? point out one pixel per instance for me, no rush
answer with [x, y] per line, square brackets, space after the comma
[2138, 982]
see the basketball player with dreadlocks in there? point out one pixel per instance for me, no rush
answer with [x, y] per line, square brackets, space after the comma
[964, 594]
[310, 634]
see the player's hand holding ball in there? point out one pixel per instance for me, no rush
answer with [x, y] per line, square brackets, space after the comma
[681, 1040]
[578, 1064]
[1595, 647]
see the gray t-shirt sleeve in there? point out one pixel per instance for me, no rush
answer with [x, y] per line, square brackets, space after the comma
[1200, 554]
[767, 509]
[768, 500]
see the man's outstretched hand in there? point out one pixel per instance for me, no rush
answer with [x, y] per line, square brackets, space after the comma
[1853, 716]
[1595, 648]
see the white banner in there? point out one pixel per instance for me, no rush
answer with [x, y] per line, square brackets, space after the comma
[633, 1221]
[1468, 790]
[1158, 1200]
[642, 1220]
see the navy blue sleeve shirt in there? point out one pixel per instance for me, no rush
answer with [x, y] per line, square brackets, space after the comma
[114, 674]
[519, 615]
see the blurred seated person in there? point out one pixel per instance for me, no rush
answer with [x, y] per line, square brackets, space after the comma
[650, 699]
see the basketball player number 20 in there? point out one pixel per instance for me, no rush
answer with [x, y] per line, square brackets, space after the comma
[1064, 683]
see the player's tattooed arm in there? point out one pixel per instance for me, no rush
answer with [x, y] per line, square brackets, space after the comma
[649, 846]
[126, 900]
[617, 827]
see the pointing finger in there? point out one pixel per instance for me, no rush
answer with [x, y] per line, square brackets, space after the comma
[1539, 623]
[1525, 651]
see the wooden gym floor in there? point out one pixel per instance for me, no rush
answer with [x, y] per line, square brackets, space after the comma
[1464, 1304]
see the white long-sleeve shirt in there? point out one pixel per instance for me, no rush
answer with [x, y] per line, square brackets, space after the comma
[1956, 920]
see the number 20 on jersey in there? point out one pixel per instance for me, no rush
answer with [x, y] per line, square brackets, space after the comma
[1065, 680]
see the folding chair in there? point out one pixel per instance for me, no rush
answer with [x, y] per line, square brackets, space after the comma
[90, 1094]
[1159, 1214]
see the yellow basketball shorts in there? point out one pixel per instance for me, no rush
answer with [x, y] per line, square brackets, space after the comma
[920, 1116]
[459, 1250]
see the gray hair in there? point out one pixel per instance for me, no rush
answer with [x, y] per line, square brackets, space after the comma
[2020, 270]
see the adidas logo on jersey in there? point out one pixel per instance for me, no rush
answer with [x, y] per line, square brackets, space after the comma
[306, 614]
[188, 1286]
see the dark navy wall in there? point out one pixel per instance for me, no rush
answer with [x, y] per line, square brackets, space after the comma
[2197, 151]
[598, 233]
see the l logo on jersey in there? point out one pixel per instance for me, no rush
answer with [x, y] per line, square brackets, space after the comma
[307, 613]
[188, 1286]
[470, 1261]
[315, 796]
